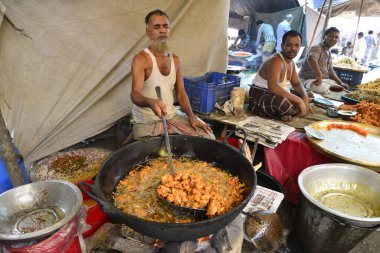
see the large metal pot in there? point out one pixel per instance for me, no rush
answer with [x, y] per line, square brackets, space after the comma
[36, 210]
[125, 159]
[352, 185]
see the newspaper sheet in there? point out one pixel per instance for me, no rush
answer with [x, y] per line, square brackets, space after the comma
[264, 199]
[269, 132]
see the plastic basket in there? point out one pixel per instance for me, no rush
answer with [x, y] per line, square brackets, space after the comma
[213, 87]
[352, 78]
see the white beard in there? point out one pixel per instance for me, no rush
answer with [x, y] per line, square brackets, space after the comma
[159, 46]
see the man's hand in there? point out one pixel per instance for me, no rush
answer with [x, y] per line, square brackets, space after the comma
[196, 123]
[304, 108]
[158, 107]
[344, 85]
[317, 81]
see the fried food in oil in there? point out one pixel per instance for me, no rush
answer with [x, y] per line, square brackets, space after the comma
[217, 192]
[136, 194]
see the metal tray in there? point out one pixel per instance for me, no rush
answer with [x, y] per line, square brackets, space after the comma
[350, 99]
[347, 145]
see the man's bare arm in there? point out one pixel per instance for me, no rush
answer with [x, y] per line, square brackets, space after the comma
[315, 67]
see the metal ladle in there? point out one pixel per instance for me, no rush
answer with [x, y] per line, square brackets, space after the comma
[167, 142]
[194, 211]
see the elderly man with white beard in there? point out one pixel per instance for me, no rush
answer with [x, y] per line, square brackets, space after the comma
[155, 66]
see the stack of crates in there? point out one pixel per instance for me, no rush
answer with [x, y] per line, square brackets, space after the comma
[352, 78]
[213, 87]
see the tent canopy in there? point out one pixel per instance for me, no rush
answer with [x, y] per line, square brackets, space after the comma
[65, 65]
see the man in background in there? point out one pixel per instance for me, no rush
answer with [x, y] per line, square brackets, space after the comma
[360, 49]
[265, 31]
[317, 65]
[370, 43]
[276, 91]
[282, 28]
[242, 41]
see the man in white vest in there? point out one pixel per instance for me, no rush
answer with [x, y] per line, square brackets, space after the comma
[155, 66]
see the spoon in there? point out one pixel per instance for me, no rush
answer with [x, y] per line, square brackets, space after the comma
[314, 133]
[199, 213]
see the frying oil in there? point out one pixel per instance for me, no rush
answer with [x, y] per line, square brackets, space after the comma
[347, 197]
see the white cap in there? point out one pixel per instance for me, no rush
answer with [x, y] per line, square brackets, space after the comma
[289, 16]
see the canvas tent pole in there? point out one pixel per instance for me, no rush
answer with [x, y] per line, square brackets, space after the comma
[316, 26]
[357, 25]
[8, 155]
[328, 14]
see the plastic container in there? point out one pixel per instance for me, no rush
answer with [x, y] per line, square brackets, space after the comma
[63, 241]
[95, 216]
[352, 78]
[213, 87]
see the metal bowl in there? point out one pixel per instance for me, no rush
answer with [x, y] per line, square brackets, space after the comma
[348, 192]
[35, 211]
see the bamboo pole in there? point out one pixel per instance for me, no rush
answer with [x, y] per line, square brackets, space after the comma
[316, 26]
[8, 155]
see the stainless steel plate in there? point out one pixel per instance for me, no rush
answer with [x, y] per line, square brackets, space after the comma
[36, 210]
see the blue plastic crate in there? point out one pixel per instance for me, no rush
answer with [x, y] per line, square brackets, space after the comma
[352, 78]
[213, 87]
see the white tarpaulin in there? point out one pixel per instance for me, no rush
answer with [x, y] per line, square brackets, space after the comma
[311, 22]
[65, 65]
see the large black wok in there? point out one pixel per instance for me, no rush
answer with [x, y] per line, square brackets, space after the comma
[125, 159]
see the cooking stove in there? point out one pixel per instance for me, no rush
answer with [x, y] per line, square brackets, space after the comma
[228, 239]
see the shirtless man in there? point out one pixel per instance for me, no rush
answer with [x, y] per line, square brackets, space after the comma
[155, 66]
[270, 94]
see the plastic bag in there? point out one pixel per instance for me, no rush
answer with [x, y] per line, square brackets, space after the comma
[64, 240]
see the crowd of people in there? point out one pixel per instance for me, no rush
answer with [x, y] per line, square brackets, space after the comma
[365, 51]
[277, 90]
[267, 40]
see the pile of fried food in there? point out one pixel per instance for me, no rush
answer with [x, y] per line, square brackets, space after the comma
[369, 92]
[191, 188]
[193, 182]
[368, 113]
[346, 62]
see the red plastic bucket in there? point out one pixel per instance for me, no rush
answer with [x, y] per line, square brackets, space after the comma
[95, 216]
[63, 241]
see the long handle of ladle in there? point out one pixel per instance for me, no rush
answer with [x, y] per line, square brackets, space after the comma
[158, 92]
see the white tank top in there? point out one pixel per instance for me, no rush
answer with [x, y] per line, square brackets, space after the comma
[285, 84]
[145, 114]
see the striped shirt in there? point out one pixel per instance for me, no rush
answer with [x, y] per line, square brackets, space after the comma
[266, 30]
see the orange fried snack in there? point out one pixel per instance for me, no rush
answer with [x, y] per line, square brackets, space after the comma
[188, 189]
[348, 127]
[368, 113]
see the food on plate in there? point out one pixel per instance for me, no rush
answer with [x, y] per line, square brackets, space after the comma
[348, 63]
[369, 92]
[136, 194]
[352, 127]
[368, 113]
[373, 85]
[242, 54]
[372, 96]
[75, 165]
